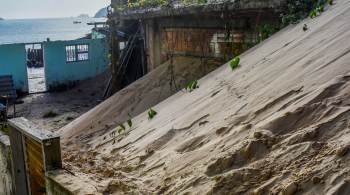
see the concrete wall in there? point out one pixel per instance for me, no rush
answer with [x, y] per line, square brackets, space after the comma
[13, 62]
[6, 185]
[54, 188]
[153, 44]
[204, 35]
[59, 73]
[61, 182]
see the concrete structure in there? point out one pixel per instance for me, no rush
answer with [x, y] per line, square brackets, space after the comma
[6, 179]
[34, 152]
[59, 71]
[13, 62]
[214, 29]
[36, 156]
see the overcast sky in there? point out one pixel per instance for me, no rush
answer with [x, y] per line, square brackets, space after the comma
[49, 8]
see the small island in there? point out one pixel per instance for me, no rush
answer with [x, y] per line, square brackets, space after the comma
[83, 16]
[2, 18]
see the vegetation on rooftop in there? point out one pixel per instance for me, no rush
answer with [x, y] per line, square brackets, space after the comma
[294, 12]
[297, 10]
[133, 4]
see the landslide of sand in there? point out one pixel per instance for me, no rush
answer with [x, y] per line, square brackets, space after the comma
[156, 86]
[279, 124]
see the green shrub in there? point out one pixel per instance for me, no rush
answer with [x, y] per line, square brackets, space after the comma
[193, 2]
[146, 3]
[305, 27]
[129, 121]
[192, 86]
[151, 113]
[296, 10]
[267, 30]
[234, 63]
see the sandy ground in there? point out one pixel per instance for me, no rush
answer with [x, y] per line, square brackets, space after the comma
[68, 105]
[36, 80]
[279, 124]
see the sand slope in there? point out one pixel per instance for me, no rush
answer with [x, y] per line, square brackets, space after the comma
[279, 124]
[138, 97]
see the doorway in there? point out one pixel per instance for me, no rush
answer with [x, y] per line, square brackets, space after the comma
[35, 68]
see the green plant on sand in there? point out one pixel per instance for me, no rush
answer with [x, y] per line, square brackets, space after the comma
[151, 113]
[192, 86]
[234, 63]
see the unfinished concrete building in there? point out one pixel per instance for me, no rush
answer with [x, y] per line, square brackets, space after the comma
[205, 30]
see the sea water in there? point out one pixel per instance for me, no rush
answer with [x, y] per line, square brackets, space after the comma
[38, 30]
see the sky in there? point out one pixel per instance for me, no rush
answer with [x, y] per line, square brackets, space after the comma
[21, 9]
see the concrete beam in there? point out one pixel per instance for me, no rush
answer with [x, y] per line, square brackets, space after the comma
[235, 7]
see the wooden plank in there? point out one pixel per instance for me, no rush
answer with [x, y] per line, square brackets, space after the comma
[18, 162]
[35, 159]
[36, 145]
[52, 151]
[35, 165]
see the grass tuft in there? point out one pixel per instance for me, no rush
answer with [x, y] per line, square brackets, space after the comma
[50, 114]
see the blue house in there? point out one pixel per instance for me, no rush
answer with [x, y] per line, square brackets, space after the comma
[13, 62]
[65, 62]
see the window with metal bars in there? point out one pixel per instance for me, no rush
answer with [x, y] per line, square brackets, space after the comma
[76, 53]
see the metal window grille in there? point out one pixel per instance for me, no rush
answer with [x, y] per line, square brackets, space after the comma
[76, 53]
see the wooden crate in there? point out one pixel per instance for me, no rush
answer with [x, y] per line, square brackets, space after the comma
[34, 152]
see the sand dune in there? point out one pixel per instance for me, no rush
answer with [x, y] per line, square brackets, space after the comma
[279, 124]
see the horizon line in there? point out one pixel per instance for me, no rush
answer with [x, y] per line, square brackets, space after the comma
[33, 18]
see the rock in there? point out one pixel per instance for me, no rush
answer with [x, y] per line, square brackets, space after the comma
[258, 134]
[316, 180]
[102, 13]
[108, 173]
[290, 189]
[342, 151]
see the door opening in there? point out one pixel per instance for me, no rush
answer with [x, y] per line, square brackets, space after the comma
[35, 68]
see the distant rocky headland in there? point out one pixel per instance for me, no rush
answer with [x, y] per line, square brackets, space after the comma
[2, 18]
[102, 13]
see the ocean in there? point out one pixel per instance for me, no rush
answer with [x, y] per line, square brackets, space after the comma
[38, 30]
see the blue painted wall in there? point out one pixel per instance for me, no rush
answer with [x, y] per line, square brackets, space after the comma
[13, 62]
[97, 35]
[58, 72]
